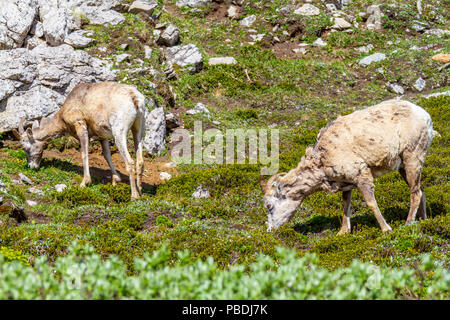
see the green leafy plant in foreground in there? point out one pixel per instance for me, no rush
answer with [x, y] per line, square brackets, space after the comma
[84, 275]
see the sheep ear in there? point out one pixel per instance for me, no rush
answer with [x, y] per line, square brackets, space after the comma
[30, 135]
[279, 187]
[16, 134]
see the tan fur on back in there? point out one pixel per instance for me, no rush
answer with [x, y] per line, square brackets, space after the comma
[98, 105]
[376, 137]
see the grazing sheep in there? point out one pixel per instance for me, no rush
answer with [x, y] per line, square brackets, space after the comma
[101, 111]
[349, 153]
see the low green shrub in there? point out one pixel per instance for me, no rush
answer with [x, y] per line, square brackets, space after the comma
[10, 254]
[85, 275]
[120, 193]
[77, 196]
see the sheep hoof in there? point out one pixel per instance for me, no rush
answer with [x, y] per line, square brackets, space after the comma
[115, 179]
[343, 231]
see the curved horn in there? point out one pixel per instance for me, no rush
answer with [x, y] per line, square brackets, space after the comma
[21, 129]
[262, 183]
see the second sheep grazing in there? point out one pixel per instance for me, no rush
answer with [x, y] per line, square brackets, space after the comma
[349, 153]
[103, 111]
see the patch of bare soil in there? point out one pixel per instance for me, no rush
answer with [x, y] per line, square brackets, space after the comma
[91, 218]
[100, 170]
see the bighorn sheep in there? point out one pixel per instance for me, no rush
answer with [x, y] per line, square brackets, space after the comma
[101, 111]
[349, 153]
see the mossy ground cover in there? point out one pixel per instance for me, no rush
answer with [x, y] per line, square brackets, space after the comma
[298, 95]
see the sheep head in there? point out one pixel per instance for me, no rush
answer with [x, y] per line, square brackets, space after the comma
[284, 192]
[33, 147]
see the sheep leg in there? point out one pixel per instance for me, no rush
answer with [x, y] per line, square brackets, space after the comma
[82, 134]
[138, 131]
[121, 142]
[367, 188]
[107, 154]
[347, 197]
[411, 174]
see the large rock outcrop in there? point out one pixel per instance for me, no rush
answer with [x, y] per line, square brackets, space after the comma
[56, 19]
[34, 83]
[16, 19]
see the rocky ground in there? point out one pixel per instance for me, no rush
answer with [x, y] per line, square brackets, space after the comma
[289, 65]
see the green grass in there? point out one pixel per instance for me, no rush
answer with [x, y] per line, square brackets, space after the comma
[298, 96]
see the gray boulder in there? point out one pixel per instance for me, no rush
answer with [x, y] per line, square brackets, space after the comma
[193, 3]
[145, 6]
[395, 88]
[419, 84]
[221, 60]
[170, 36]
[248, 21]
[374, 17]
[307, 10]
[201, 193]
[79, 39]
[16, 19]
[186, 56]
[36, 82]
[372, 58]
[155, 130]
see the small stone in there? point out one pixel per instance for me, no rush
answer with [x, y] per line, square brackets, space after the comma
[257, 37]
[170, 36]
[331, 7]
[299, 50]
[79, 39]
[165, 176]
[123, 46]
[341, 24]
[374, 20]
[307, 10]
[248, 21]
[122, 57]
[437, 32]
[143, 6]
[36, 191]
[186, 56]
[319, 43]
[372, 58]
[419, 85]
[31, 203]
[201, 193]
[170, 164]
[221, 60]
[148, 52]
[418, 27]
[60, 187]
[232, 12]
[25, 179]
[199, 108]
[365, 49]
[395, 88]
